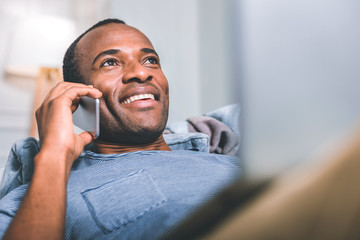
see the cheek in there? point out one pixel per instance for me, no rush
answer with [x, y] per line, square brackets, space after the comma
[105, 85]
[109, 98]
[105, 81]
[164, 84]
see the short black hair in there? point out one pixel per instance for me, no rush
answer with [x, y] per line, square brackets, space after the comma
[70, 62]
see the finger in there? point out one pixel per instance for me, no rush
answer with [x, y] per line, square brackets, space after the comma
[70, 96]
[73, 93]
[86, 138]
[62, 87]
[75, 104]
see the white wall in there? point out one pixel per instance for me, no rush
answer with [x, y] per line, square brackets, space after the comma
[215, 50]
[301, 77]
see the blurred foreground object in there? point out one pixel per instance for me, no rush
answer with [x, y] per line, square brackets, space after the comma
[320, 200]
[37, 46]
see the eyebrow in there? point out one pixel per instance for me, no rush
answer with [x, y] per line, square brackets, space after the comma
[106, 52]
[149, 50]
[115, 51]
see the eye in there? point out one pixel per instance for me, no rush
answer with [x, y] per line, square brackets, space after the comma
[152, 60]
[109, 63]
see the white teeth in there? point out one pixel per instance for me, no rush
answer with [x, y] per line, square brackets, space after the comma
[138, 97]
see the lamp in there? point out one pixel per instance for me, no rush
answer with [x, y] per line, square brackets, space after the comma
[36, 49]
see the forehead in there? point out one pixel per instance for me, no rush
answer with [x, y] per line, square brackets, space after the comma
[113, 35]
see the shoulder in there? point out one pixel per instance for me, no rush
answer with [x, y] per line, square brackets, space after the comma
[22, 152]
[19, 166]
[25, 145]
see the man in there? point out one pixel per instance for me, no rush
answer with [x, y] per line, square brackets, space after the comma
[127, 183]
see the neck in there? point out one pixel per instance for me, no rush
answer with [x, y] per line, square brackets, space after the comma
[113, 148]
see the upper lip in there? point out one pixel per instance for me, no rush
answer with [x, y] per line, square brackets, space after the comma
[137, 90]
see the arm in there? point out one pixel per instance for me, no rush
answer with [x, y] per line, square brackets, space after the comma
[42, 212]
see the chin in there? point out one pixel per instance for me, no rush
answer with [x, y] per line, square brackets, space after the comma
[133, 130]
[134, 136]
[144, 138]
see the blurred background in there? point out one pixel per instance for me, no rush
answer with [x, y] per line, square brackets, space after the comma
[189, 35]
[293, 65]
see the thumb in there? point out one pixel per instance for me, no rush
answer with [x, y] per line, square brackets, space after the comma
[86, 138]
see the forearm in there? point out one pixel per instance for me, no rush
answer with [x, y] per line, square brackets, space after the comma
[42, 212]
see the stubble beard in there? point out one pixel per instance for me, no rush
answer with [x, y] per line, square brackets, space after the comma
[133, 134]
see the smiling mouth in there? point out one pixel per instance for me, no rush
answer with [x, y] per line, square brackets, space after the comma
[138, 97]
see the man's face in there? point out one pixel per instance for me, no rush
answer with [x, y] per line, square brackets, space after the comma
[121, 62]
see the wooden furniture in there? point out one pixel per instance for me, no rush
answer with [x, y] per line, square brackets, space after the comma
[46, 80]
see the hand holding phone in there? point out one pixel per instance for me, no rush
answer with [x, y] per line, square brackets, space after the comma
[87, 115]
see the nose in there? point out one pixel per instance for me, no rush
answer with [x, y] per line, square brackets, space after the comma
[136, 72]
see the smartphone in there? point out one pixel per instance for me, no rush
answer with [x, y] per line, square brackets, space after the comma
[87, 115]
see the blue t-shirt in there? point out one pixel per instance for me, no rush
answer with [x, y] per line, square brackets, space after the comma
[137, 195]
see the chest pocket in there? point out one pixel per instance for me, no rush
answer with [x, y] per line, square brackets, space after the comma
[121, 201]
